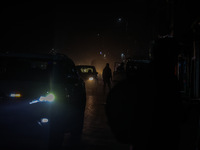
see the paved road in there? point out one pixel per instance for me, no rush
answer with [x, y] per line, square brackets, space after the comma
[96, 133]
[98, 136]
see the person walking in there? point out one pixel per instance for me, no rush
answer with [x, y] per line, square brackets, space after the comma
[107, 76]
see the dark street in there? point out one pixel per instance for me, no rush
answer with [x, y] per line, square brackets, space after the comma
[57, 59]
[96, 132]
[98, 136]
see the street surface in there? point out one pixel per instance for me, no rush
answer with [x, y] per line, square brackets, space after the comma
[97, 134]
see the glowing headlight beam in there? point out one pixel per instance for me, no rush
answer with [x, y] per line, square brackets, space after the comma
[48, 98]
[44, 120]
[91, 78]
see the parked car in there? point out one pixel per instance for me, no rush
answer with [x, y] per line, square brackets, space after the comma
[41, 98]
[88, 73]
[133, 66]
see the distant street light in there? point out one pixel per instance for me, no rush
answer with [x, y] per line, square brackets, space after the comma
[121, 20]
[124, 22]
[122, 56]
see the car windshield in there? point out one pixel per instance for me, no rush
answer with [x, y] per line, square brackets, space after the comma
[86, 70]
[25, 69]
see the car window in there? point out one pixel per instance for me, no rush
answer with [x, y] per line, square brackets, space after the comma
[87, 70]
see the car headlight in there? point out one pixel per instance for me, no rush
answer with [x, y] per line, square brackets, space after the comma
[91, 78]
[48, 98]
[43, 121]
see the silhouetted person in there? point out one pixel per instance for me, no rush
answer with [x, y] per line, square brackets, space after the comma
[107, 76]
[145, 110]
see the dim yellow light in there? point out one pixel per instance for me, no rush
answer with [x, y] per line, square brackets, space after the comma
[15, 95]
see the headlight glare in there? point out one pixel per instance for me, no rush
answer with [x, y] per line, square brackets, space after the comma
[91, 78]
[44, 120]
[48, 98]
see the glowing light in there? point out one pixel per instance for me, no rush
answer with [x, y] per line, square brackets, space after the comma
[34, 102]
[119, 19]
[49, 98]
[15, 95]
[91, 78]
[44, 120]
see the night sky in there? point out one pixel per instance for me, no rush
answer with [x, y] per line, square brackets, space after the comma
[83, 30]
